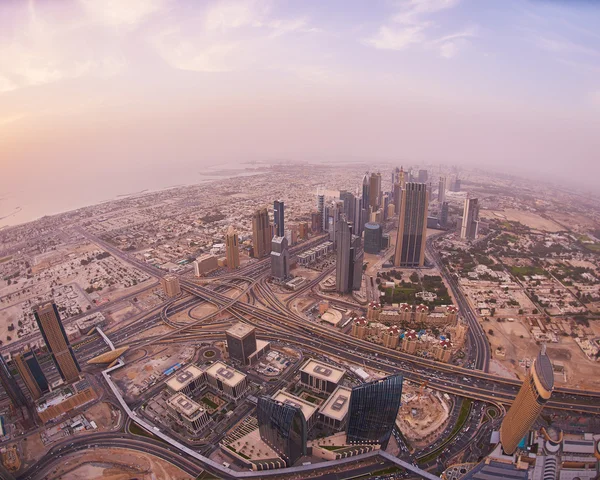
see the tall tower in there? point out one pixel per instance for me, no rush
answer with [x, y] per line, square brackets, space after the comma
[10, 385]
[470, 221]
[31, 372]
[374, 190]
[442, 190]
[373, 410]
[241, 342]
[53, 332]
[412, 226]
[349, 259]
[280, 258]
[232, 248]
[423, 176]
[278, 219]
[261, 233]
[533, 395]
[402, 178]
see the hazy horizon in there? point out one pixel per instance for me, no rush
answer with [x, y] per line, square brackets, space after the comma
[113, 97]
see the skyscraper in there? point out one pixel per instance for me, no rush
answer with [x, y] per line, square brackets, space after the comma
[31, 372]
[241, 342]
[444, 215]
[373, 238]
[261, 233]
[397, 194]
[349, 204]
[373, 410]
[321, 211]
[402, 177]
[442, 190]
[358, 224]
[10, 385]
[280, 258]
[232, 248]
[533, 395]
[349, 259]
[375, 190]
[53, 332]
[470, 219]
[412, 226]
[423, 175]
[278, 219]
[282, 426]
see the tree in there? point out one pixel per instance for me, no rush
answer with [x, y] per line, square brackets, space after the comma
[520, 311]
[414, 277]
[491, 332]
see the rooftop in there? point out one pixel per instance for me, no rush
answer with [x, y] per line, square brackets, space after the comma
[308, 409]
[240, 330]
[184, 405]
[183, 377]
[323, 371]
[336, 406]
[544, 371]
[228, 375]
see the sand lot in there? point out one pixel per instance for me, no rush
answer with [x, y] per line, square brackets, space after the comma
[531, 219]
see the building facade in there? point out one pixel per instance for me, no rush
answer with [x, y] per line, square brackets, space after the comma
[232, 248]
[280, 258]
[261, 233]
[533, 395]
[31, 372]
[373, 238]
[55, 337]
[278, 219]
[469, 225]
[412, 226]
[349, 259]
[373, 410]
[283, 427]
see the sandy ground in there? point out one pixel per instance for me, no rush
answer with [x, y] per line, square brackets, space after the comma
[531, 219]
[117, 464]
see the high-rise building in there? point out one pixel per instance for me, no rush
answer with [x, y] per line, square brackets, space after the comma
[241, 342]
[442, 190]
[261, 233]
[316, 222]
[31, 372]
[53, 332]
[335, 213]
[232, 248]
[278, 218]
[533, 395]
[357, 219]
[444, 215]
[10, 385]
[170, 285]
[375, 190]
[372, 238]
[321, 211]
[373, 410]
[470, 220]
[412, 226]
[283, 427]
[349, 204]
[397, 194]
[402, 177]
[280, 258]
[423, 176]
[349, 259]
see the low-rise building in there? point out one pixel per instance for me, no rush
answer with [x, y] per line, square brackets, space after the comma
[187, 412]
[320, 376]
[188, 380]
[205, 264]
[229, 381]
[309, 410]
[335, 409]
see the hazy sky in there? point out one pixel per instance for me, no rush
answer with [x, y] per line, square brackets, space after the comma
[110, 87]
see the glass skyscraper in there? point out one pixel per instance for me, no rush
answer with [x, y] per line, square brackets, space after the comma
[373, 410]
[283, 427]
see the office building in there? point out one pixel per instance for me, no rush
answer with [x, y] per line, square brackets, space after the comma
[412, 226]
[170, 285]
[443, 220]
[402, 177]
[53, 332]
[442, 190]
[283, 427]
[188, 380]
[303, 230]
[316, 222]
[469, 224]
[349, 259]
[278, 221]
[358, 212]
[241, 342]
[373, 238]
[280, 258]
[187, 413]
[232, 248]
[349, 204]
[320, 376]
[227, 380]
[373, 410]
[31, 372]
[397, 197]
[10, 385]
[261, 233]
[334, 410]
[423, 176]
[309, 410]
[322, 211]
[533, 395]
[205, 264]
[375, 190]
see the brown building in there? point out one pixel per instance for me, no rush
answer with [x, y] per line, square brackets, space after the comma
[409, 342]
[391, 336]
[65, 400]
[316, 222]
[360, 328]
[261, 233]
[232, 248]
[373, 311]
[53, 332]
[412, 226]
[170, 285]
[533, 395]
[303, 230]
[31, 372]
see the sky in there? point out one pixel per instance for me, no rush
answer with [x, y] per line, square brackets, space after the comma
[101, 91]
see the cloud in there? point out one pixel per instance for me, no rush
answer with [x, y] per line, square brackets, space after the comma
[561, 45]
[411, 25]
[119, 13]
